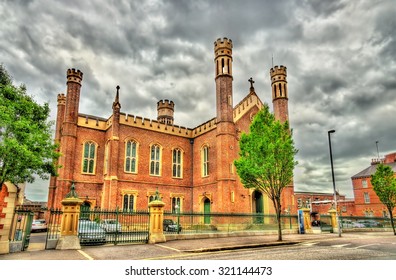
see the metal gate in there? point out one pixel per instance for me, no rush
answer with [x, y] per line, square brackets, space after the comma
[20, 230]
[54, 228]
[97, 226]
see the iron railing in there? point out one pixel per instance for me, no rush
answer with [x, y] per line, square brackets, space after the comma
[99, 226]
[191, 223]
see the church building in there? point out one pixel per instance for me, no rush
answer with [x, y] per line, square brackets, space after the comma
[121, 160]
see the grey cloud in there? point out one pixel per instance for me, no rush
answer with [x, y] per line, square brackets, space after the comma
[339, 57]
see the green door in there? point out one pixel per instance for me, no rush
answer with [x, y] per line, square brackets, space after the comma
[207, 211]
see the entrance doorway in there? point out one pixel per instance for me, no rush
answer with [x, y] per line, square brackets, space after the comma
[207, 211]
[84, 208]
[258, 206]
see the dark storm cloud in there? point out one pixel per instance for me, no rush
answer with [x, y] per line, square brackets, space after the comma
[340, 57]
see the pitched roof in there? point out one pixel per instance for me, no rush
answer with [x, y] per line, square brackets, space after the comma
[371, 170]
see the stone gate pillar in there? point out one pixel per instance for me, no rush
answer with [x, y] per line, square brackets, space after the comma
[69, 225]
[333, 215]
[156, 231]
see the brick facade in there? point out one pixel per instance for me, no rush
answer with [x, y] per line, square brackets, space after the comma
[110, 185]
[321, 203]
[367, 202]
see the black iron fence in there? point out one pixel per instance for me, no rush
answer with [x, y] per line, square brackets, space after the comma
[191, 223]
[355, 222]
[98, 226]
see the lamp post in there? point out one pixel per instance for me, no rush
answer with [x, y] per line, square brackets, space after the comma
[334, 188]
[177, 207]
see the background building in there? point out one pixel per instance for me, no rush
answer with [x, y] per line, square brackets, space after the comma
[367, 202]
[321, 203]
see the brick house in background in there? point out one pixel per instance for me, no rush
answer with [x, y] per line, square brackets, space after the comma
[321, 203]
[367, 202]
[121, 161]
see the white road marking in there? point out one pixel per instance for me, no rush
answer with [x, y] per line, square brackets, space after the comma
[166, 247]
[365, 246]
[310, 243]
[340, 245]
[85, 255]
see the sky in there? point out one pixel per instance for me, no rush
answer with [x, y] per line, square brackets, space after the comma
[340, 57]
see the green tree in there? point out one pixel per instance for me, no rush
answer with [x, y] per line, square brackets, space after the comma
[266, 160]
[384, 185]
[26, 143]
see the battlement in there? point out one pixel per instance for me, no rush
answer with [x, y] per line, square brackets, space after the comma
[223, 47]
[61, 99]
[153, 125]
[74, 75]
[245, 105]
[205, 127]
[278, 70]
[165, 104]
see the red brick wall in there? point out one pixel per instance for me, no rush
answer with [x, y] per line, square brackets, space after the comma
[3, 204]
[375, 204]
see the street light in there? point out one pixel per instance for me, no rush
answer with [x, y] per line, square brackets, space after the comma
[334, 188]
[177, 208]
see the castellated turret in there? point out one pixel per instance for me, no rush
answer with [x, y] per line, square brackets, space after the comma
[74, 75]
[61, 99]
[278, 82]
[223, 56]
[165, 109]
[280, 93]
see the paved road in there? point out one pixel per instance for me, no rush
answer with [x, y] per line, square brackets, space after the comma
[351, 246]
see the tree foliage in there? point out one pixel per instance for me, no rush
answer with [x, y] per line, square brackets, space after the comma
[384, 185]
[26, 142]
[266, 160]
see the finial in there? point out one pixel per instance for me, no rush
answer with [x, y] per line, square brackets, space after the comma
[72, 193]
[251, 84]
[116, 103]
[118, 94]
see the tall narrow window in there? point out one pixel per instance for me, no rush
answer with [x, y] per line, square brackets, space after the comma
[275, 91]
[155, 160]
[131, 157]
[176, 205]
[366, 198]
[106, 162]
[128, 202]
[205, 161]
[280, 89]
[364, 183]
[89, 157]
[177, 163]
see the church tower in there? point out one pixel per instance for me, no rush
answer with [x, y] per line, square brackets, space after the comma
[225, 126]
[68, 134]
[280, 93]
[223, 61]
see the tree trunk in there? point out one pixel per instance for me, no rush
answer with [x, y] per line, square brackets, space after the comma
[392, 223]
[278, 217]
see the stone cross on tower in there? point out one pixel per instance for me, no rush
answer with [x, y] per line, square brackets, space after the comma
[251, 84]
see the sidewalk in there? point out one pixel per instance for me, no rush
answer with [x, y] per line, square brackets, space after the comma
[144, 251]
